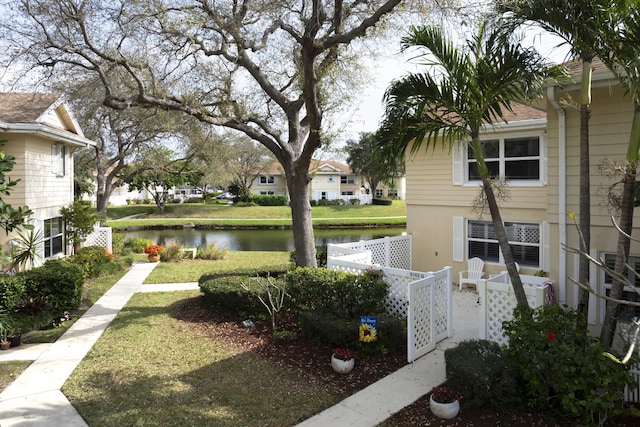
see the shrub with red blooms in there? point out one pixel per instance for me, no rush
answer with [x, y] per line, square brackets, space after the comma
[444, 394]
[153, 249]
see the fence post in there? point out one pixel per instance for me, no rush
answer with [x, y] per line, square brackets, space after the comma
[387, 252]
[482, 292]
[449, 301]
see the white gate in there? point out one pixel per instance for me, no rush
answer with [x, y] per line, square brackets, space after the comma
[429, 314]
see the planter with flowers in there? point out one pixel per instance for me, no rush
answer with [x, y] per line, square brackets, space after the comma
[343, 360]
[154, 252]
[445, 402]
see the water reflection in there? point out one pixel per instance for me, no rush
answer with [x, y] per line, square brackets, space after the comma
[258, 240]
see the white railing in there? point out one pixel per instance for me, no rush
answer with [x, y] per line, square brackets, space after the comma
[394, 252]
[497, 301]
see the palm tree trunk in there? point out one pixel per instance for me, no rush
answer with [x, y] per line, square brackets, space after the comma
[585, 186]
[503, 241]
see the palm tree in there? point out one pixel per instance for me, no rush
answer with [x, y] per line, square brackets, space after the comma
[463, 89]
[578, 23]
[621, 53]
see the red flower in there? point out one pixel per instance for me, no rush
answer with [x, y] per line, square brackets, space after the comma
[153, 250]
[551, 336]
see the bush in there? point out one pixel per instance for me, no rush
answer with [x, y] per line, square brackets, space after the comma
[137, 244]
[117, 243]
[194, 200]
[95, 261]
[172, 252]
[226, 293]
[563, 367]
[354, 202]
[381, 201]
[313, 203]
[336, 331]
[333, 202]
[345, 295]
[211, 252]
[485, 378]
[59, 282]
[270, 199]
[12, 291]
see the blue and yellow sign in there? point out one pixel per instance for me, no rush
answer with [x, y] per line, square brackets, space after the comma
[368, 328]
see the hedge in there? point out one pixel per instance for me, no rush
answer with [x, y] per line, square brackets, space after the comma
[270, 199]
[59, 282]
[12, 291]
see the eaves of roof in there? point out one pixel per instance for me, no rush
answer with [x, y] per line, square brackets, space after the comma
[46, 132]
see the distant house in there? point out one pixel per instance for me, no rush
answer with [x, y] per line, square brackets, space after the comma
[41, 133]
[537, 150]
[331, 180]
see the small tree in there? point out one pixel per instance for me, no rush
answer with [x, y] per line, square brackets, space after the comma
[79, 220]
[10, 217]
[366, 160]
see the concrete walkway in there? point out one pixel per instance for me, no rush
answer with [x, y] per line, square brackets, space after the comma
[34, 399]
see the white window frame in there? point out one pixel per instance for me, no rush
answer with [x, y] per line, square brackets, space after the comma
[49, 239]
[331, 178]
[347, 179]
[267, 180]
[347, 193]
[461, 160]
[516, 228]
[58, 159]
[379, 192]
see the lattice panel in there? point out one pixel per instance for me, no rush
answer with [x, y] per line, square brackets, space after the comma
[500, 306]
[400, 254]
[378, 250]
[397, 301]
[101, 236]
[441, 308]
[421, 318]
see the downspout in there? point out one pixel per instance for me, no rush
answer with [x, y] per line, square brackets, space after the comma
[562, 191]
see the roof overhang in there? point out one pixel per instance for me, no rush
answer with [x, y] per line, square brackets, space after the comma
[520, 125]
[48, 133]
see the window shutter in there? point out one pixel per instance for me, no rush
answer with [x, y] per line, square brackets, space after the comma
[458, 238]
[543, 158]
[458, 162]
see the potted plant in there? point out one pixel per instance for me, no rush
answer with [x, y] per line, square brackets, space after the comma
[444, 402]
[343, 360]
[154, 252]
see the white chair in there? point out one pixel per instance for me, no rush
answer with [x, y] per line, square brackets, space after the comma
[474, 272]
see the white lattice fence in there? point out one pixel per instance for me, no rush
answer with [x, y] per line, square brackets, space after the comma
[335, 252]
[497, 301]
[101, 236]
[397, 302]
[394, 252]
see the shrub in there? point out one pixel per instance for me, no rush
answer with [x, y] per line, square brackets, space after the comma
[313, 203]
[332, 202]
[344, 294]
[172, 252]
[226, 293]
[94, 261]
[485, 378]
[332, 330]
[137, 244]
[12, 291]
[270, 199]
[381, 201]
[59, 282]
[117, 243]
[563, 367]
[212, 252]
[194, 200]
[354, 202]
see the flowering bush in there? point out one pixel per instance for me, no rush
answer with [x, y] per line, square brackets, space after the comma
[343, 354]
[153, 249]
[444, 394]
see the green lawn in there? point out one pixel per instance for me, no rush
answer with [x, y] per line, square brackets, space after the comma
[150, 368]
[394, 214]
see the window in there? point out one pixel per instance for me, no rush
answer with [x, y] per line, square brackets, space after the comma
[347, 193]
[58, 159]
[52, 237]
[331, 178]
[379, 192]
[347, 179]
[267, 179]
[628, 294]
[392, 194]
[513, 158]
[524, 239]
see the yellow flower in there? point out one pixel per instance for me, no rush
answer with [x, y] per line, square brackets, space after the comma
[367, 333]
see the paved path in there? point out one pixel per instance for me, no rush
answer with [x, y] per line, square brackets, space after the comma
[34, 399]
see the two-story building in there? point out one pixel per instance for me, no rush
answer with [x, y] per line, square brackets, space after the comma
[537, 151]
[41, 132]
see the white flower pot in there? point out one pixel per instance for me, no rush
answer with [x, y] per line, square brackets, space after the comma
[342, 366]
[445, 411]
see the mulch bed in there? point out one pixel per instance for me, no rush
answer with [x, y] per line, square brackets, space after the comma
[311, 359]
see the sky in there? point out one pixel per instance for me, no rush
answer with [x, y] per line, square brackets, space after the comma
[368, 108]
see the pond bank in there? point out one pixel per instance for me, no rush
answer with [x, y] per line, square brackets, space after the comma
[255, 226]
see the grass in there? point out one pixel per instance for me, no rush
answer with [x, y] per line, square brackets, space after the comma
[150, 369]
[9, 371]
[175, 214]
[191, 270]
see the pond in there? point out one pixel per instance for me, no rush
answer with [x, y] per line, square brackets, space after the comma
[258, 240]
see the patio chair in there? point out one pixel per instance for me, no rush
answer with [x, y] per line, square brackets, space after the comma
[474, 272]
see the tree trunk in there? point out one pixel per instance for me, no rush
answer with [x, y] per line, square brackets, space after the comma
[626, 225]
[503, 241]
[585, 186]
[303, 238]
